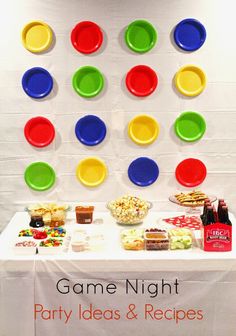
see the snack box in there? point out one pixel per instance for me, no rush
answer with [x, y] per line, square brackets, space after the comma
[156, 239]
[39, 234]
[133, 243]
[79, 241]
[56, 232]
[79, 245]
[131, 233]
[132, 239]
[43, 233]
[24, 246]
[83, 240]
[51, 246]
[180, 238]
[33, 233]
[96, 242]
[26, 233]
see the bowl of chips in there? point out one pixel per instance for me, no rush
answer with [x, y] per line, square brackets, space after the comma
[53, 214]
[129, 210]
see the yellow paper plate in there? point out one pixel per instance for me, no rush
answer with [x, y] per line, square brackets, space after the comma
[143, 129]
[190, 80]
[91, 171]
[37, 36]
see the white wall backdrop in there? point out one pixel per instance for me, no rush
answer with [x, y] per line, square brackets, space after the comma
[116, 106]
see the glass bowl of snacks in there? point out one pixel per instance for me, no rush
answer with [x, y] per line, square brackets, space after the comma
[52, 214]
[129, 210]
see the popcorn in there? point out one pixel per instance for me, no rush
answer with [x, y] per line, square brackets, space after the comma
[129, 209]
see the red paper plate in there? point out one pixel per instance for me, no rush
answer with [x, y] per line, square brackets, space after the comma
[39, 132]
[86, 37]
[190, 172]
[141, 80]
[192, 222]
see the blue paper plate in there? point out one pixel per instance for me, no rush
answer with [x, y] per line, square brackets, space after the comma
[90, 130]
[37, 82]
[143, 171]
[189, 34]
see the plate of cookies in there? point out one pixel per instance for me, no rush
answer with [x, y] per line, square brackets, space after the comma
[192, 199]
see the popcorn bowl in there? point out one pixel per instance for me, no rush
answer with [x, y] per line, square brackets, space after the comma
[129, 210]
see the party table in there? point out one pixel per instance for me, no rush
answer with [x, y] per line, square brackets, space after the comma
[114, 291]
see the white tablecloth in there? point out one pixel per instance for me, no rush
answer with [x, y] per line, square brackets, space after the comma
[205, 281]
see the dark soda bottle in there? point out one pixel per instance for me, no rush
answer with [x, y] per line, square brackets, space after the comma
[225, 215]
[215, 214]
[209, 219]
[206, 204]
[221, 202]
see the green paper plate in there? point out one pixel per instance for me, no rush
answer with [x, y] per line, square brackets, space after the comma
[190, 126]
[40, 176]
[140, 36]
[88, 81]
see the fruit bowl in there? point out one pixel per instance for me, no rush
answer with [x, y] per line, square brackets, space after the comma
[129, 210]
